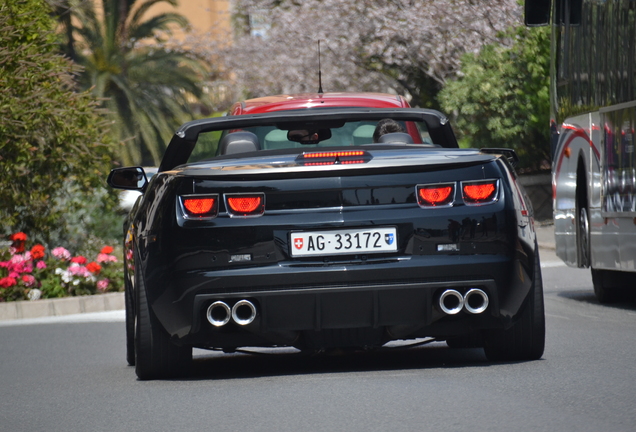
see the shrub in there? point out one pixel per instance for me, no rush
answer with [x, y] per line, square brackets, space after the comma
[501, 98]
[50, 136]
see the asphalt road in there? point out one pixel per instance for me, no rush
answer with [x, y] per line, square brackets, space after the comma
[58, 375]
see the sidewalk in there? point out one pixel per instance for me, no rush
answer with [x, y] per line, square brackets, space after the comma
[115, 301]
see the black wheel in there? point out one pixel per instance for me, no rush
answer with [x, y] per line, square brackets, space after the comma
[613, 286]
[583, 238]
[155, 355]
[130, 322]
[525, 340]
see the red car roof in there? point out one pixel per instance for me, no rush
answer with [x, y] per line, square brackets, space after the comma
[314, 100]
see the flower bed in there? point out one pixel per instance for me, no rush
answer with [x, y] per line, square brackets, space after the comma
[31, 274]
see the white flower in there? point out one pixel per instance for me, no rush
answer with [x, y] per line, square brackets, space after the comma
[34, 294]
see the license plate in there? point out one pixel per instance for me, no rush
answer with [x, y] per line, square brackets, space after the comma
[343, 241]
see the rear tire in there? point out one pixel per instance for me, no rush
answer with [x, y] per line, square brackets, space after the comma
[155, 355]
[130, 322]
[613, 286]
[525, 340]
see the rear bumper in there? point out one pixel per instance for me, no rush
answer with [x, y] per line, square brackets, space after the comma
[345, 307]
[394, 299]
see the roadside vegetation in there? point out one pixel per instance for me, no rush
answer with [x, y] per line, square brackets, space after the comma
[89, 85]
[500, 97]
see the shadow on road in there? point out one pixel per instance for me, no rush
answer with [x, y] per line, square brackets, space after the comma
[216, 365]
[587, 296]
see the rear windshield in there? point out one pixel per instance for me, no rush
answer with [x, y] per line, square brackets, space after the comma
[301, 137]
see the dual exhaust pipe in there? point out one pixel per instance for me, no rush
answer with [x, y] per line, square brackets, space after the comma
[475, 301]
[451, 302]
[242, 313]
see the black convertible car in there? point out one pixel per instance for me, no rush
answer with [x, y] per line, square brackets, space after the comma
[300, 228]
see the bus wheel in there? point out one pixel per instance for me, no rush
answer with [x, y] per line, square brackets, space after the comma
[583, 238]
[613, 286]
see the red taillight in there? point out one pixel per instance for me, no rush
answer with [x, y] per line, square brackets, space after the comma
[479, 192]
[199, 206]
[245, 205]
[435, 195]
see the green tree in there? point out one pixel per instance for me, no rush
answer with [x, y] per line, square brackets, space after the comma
[147, 85]
[51, 137]
[501, 98]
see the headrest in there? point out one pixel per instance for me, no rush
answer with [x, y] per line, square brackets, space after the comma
[363, 134]
[396, 138]
[239, 142]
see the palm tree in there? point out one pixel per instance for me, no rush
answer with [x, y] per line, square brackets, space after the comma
[146, 86]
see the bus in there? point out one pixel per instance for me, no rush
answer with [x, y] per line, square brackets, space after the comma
[593, 122]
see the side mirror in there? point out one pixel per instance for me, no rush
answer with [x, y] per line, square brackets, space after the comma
[129, 178]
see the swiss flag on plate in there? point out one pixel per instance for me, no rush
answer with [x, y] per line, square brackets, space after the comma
[298, 243]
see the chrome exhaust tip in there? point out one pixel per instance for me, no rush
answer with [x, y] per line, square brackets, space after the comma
[451, 302]
[219, 314]
[475, 301]
[243, 312]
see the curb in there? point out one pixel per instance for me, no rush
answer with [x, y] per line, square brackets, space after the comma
[61, 306]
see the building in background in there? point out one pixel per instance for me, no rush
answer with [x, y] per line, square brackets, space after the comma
[211, 18]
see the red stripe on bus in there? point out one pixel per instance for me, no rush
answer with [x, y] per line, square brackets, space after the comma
[576, 132]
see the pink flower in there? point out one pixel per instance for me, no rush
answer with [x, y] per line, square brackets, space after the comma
[106, 258]
[102, 285]
[17, 268]
[61, 253]
[101, 257]
[41, 265]
[78, 270]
